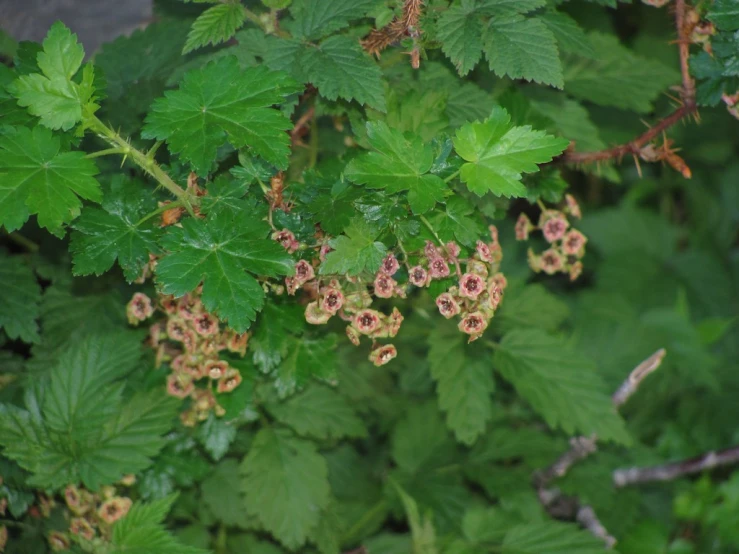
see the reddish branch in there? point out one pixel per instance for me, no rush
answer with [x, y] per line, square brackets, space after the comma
[673, 470]
[687, 96]
[404, 26]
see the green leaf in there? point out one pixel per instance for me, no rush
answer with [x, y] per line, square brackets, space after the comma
[224, 252]
[551, 537]
[531, 306]
[306, 359]
[221, 103]
[507, 7]
[725, 14]
[222, 495]
[319, 18]
[615, 76]
[116, 232]
[398, 163]
[142, 531]
[286, 485]
[422, 528]
[456, 224]
[216, 434]
[339, 68]
[463, 386]
[52, 95]
[78, 427]
[20, 295]
[498, 153]
[559, 384]
[215, 25]
[460, 33]
[38, 177]
[569, 35]
[319, 412]
[355, 252]
[273, 333]
[523, 49]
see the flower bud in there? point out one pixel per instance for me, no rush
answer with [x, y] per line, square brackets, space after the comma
[352, 334]
[394, 320]
[58, 541]
[573, 208]
[575, 270]
[390, 265]
[523, 227]
[81, 527]
[499, 281]
[483, 251]
[237, 342]
[478, 268]
[452, 250]
[315, 315]
[431, 250]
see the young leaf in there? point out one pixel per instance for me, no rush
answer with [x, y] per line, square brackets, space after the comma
[224, 252]
[398, 163]
[116, 231]
[559, 384]
[460, 33]
[319, 412]
[286, 485]
[306, 359]
[319, 18]
[498, 153]
[552, 537]
[20, 295]
[52, 95]
[38, 177]
[215, 25]
[456, 224]
[523, 49]
[221, 103]
[355, 252]
[464, 386]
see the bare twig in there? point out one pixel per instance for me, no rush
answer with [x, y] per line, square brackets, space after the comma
[673, 470]
[589, 520]
[638, 374]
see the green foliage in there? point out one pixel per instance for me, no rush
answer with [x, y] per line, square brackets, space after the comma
[355, 252]
[215, 25]
[20, 295]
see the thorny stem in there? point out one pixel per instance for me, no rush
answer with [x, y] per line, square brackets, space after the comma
[688, 107]
[106, 152]
[159, 210]
[144, 161]
[673, 470]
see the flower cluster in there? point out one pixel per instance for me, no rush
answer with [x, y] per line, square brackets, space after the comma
[567, 246]
[190, 340]
[90, 516]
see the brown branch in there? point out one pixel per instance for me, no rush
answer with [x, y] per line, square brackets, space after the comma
[405, 25]
[687, 95]
[673, 470]
[589, 520]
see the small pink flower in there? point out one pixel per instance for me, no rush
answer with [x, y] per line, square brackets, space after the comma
[448, 306]
[483, 250]
[332, 300]
[139, 308]
[179, 385]
[237, 343]
[176, 329]
[575, 270]
[471, 286]
[418, 276]
[438, 268]
[384, 286]
[573, 207]
[315, 315]
[367, 321]
[58, 541]
[81, 527]
[573, 243]
[452, 250]
[190, 340]
[473, 324]
[553, 225]
[393, 322]
[156, 333]
[356, 301]
[287, 239]
[73, 499]
[215, 369]
[551, 261]
[206, 325]
[352, 334]
[168, 304]
[114, 509]
[523, 227]
[189, 307]
[383, 354]
[390, 265]
[304, 272]
[323, 252]
[229, 381]
[499, 281]
[495, 295]
[430, 250]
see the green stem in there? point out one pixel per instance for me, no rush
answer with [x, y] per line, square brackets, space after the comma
[221, 546]
[541, 205]
[452, 176]
[106, 152]
[430, 228]
[313, 152]
[160, 209]
[145, 162]
[20, 240]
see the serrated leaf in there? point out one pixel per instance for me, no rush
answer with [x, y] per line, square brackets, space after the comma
[319, 18]
[222, 495]
[463, 386]
[304, 360]
[460, 33]
[456, 224]
[52, 95]
[559, 384]
[20, 296]
[507, 7]
[216, 434]
[286, 485]
[498, 153]
[551, 537]
[615, 76]
[319, 412]
[355, 252]
[420, 440]
[522, 48]
[224, 252]
[116, 232]
[725, 14]
[398, 163]
[215, 25]
[531, 306]
[277, 324]
[221, 103]
[38, 177]
[339, 68]
[142, 531]
[569, 35]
